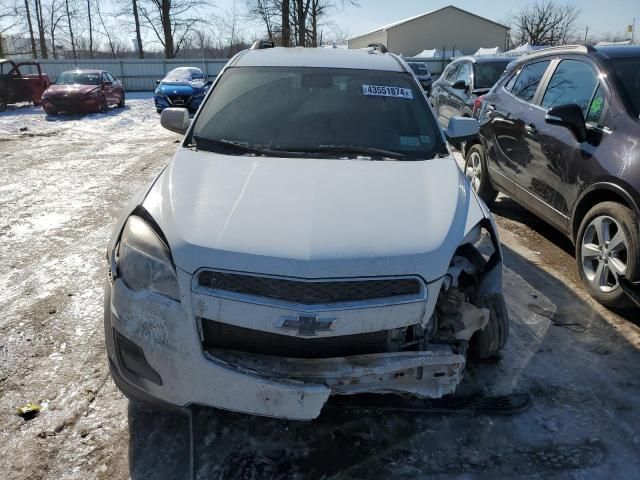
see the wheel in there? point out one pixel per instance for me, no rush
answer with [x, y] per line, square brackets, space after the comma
[3, 104]
[475, 169]
[607, 246]
[50, 111]
[104, 106]
[492, 338]
[121, 102]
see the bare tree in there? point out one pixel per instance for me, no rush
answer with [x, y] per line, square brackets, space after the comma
[34, 52]
[307, 18]
[9, 18]
[171, 21]
[268, 12]
[286, 23]
[73, 43]
[41, 29]
[56, 15]
[136, 20]
[90, 28]
[105, 31]
[546, 23]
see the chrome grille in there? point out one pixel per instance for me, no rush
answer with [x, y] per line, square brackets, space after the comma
[309, 292]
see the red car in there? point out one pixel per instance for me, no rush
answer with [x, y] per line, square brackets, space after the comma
[21, 82]
[83, 91]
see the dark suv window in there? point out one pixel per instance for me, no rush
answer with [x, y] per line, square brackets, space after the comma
[594, 115]
[485, 74]
[627, 71]
[572, 82]
[527, 81]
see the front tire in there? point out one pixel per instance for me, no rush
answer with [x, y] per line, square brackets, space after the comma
[607, 246]
[492, 338]
[3, 104]
[475, 169]
[104, 106]
[121, 103]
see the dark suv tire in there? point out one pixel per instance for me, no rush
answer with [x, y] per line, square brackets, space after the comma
[608, 243]
[475, 169]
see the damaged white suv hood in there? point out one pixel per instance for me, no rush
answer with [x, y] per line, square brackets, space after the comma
[348, 216]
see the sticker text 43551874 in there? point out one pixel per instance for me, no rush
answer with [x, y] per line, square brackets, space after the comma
[384, 91]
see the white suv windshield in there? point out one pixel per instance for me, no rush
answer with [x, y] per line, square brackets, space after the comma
[338, 112]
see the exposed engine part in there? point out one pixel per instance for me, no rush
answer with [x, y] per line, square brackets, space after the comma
[459, 264]
[457, 317]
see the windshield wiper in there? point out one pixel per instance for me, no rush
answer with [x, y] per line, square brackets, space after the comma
[351, 149]
[210, 144]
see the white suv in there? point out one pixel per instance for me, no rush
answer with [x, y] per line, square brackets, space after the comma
[313, 236]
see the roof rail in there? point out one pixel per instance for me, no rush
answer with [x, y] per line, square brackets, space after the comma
[564, 48]
[378, 46]
[262, 44]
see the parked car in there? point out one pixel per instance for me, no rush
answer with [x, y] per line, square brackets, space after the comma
[271, 265]
[454, 93]
[182, 87]
[83, 91]
[424, 76]
[559, 134]
[18, 85]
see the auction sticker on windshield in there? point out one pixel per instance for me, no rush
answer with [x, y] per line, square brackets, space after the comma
[383, 91]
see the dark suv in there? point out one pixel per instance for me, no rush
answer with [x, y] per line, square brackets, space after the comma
[560, 134]
[455, 92]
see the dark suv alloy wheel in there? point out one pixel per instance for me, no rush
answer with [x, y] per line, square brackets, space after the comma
[607, 246]
[475, 169]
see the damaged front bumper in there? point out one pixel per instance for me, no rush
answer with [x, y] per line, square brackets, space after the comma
[156, 353]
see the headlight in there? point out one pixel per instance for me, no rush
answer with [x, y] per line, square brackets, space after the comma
[144, 261]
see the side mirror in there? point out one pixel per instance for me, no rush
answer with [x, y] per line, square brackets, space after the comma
[462, 128]
[157, 82]
[175, 119]
[460, 85]
[107, 84]
[569, 116]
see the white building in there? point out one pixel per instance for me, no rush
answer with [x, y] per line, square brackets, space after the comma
[449, 27]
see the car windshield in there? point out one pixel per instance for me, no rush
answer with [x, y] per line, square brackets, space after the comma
[336, 112]
[79, 78]
[486, 74]
[184, 75]
[628, 72]
[419, 68]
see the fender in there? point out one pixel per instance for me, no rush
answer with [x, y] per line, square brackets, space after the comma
[612, 185]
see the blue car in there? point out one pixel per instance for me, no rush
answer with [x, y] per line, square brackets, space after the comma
[182, 87]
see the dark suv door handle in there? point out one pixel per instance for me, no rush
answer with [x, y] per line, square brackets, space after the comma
[530, 129]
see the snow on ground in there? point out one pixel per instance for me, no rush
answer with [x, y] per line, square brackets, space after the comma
[62, 183]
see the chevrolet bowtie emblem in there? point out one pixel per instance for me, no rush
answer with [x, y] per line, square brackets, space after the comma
[306, 325]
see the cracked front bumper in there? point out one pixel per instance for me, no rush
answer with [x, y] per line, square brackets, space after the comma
[168, 337]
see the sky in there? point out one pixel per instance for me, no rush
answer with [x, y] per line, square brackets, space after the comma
[602, 17]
